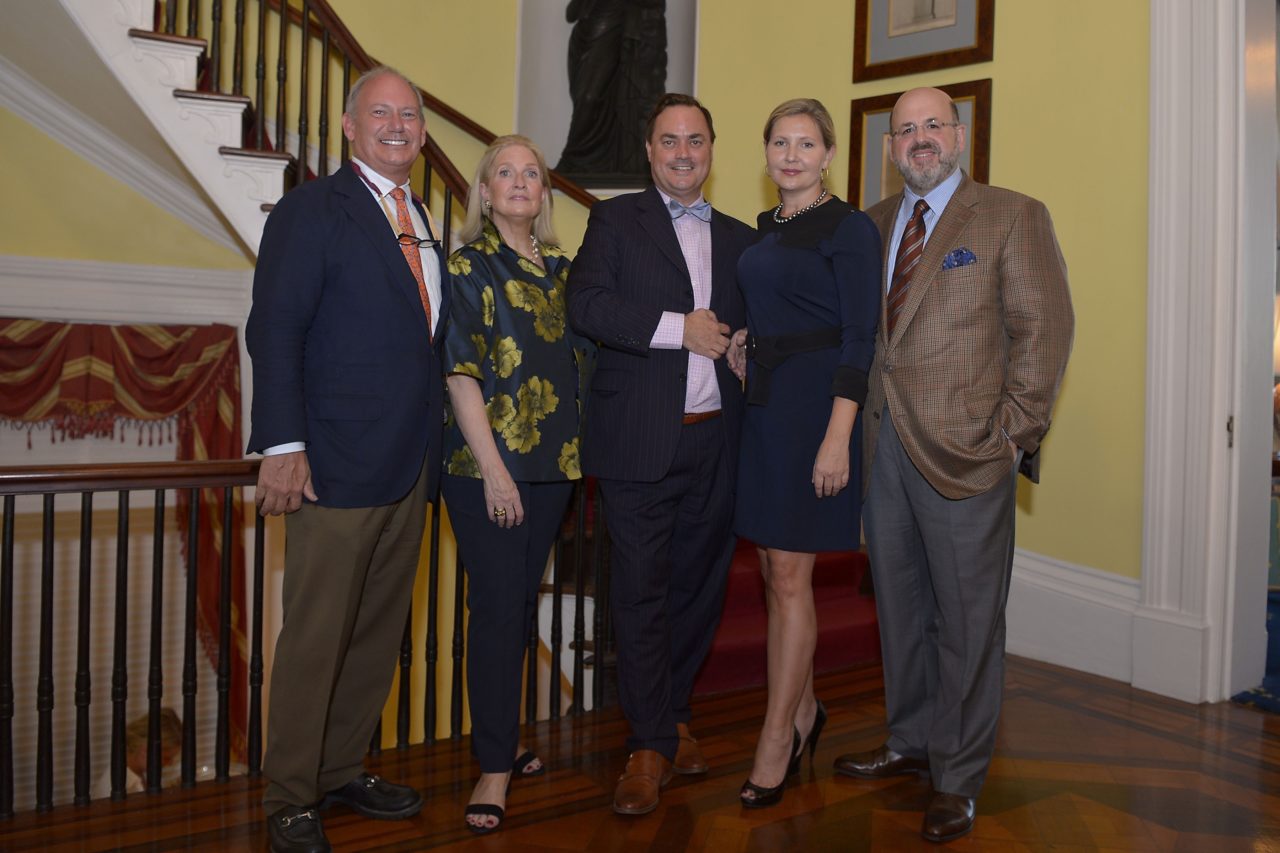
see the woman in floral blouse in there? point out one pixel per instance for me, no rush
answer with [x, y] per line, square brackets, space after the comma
[516, 383]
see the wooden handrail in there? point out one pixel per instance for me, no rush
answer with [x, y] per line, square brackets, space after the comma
[115, 476]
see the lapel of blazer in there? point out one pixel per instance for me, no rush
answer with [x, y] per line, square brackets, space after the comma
[360, 205]
[656, 221]
[960, 210]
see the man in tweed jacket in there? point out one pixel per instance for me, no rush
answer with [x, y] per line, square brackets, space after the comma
[974, 338]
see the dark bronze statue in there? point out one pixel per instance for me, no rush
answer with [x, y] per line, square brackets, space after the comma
[617, 69]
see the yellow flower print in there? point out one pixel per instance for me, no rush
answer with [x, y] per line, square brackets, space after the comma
[501, 411]
[521, 294]
[482, 347]
[522, 433]
[459, 264]
[486, 306]
[468, 368]
[548, 315]
[537, 398]
[551, 251]
[489, 241]
[463, 464]
[530, 267]
[506, 357]
[568, 461]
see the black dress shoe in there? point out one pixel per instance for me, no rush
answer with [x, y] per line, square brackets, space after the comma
[294, 829]
[373, 796]
[879, 763]
[948, 816]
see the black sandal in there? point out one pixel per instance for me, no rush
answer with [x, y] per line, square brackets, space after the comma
[485, 809]
[519, 767]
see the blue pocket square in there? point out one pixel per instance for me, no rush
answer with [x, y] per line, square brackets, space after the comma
[958, 258]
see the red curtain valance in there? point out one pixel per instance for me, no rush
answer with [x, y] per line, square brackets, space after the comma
[87, 379]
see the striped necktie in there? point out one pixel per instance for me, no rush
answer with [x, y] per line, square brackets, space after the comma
[909, 251]
[412, 253]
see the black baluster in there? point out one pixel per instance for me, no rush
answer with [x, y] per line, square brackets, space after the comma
[237, 59]
[44, 682]
[222, 743]
[447, 225]
[455, 694]
[579, 599]
[189, 644]
[6, 660]
[322, 150]
[304, 68]
[193, 18]
[375, 742]
[557, 629]
[282, 74]
[531, 670]
[406, 661]
[433, 645]
[255, 653]
[215, 48]
[597, 622]
[260, 80]
[155, 667]
[171, 16]
[346, 87]
[83, 691]
[119, 666]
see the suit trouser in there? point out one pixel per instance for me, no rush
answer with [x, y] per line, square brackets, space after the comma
[348, 581]
[941, 570]
[504, 570]
[672, 544]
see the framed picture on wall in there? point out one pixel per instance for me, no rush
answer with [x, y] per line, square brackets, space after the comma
[872, 175]
[896, 37]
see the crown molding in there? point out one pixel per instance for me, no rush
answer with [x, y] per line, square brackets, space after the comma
[27, 98]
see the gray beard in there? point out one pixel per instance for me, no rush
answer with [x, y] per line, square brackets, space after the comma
[923, 181]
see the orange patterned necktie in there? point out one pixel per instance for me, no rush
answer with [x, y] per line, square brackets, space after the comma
[909, 251]
[411, 252]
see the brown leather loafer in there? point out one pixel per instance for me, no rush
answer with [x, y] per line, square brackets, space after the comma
[637, 792]
[948, 816]
[879, 763]
[689, 760]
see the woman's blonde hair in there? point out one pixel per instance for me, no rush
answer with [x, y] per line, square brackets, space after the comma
[473, 225]
[810, 107]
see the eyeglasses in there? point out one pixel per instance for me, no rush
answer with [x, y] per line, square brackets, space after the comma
[929, 127]
[415, 242]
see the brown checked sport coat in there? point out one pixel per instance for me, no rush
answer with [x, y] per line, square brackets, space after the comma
[982, 342]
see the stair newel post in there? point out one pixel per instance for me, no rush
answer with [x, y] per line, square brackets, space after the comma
[346, 87]
[260, 80]
[155, 673]
[237, 52]
[82, 651]
[433, 644]
[193, 21]
[254, 749]
[303, 73]
[579, 596]
[171, 16]
[189, 644]
[215, 47]
[282, 75]
[44, 682]
[222, 742]
[6, 659]
[119, 667]
[322, 149]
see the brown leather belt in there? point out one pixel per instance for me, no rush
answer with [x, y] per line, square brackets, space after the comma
[699, 417]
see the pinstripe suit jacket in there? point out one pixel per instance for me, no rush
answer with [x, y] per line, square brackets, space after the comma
[630, 269]
[978, 348]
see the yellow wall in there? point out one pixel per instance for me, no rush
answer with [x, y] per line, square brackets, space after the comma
[58, 205]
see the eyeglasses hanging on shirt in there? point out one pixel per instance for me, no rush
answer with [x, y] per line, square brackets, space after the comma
[411, 241]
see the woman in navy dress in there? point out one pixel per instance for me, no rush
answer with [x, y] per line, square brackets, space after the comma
[812, 289]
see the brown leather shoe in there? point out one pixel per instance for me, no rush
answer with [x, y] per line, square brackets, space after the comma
[879, 763]
[689, 760]
[637, 792]
[948, 816]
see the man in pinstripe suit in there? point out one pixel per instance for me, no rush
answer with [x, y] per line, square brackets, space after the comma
[655, 283]
[974, 338]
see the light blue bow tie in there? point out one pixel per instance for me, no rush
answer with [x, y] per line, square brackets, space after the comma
[702, 209]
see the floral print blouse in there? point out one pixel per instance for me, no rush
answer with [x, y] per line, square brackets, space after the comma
[508, 331]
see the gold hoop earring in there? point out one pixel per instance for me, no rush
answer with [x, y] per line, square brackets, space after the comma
[824, 174]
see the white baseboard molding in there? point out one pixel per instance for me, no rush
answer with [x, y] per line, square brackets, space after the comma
[1072, 616]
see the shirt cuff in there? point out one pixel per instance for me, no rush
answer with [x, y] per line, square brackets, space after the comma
[291, 447]
[670, 332]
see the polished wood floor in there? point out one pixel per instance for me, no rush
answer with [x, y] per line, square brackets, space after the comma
[1082, 764]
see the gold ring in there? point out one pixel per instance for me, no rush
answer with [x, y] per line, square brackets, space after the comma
[499, 512]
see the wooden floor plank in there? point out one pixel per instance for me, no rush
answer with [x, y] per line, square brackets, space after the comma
[1082, 763]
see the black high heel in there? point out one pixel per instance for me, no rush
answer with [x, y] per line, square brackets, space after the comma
[761, 797]
[819, 720]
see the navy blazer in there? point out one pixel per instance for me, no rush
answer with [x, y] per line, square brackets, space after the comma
[630, 269]
[341, 355]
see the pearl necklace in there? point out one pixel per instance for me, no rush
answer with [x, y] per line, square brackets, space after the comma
[533, 242]
[808, 207]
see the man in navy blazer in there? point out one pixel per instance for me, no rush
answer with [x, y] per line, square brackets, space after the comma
[656, 284]
[347, 411]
